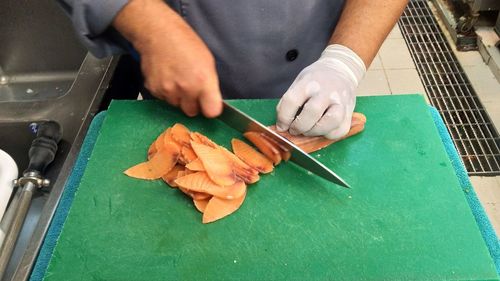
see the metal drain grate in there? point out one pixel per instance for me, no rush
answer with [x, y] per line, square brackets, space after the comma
[450, 91]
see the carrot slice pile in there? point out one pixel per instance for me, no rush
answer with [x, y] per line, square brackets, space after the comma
[200, 182]
[219, 168]
[195, 165]
[269, 150]
[218, 208]
[160, 164]
[212, 176]
[251, 156]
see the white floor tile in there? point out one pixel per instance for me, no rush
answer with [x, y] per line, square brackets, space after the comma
[470, 58]
[484, 82]
[404, 81]
[395, 33]
[394, 54]
[493, 109]
[373, 84]
[488, 192]
[376, 63]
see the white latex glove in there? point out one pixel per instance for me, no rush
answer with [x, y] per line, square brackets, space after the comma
[325, 90]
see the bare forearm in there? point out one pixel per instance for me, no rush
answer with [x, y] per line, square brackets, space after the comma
[365, 24]
[145, 22]
[176, 64]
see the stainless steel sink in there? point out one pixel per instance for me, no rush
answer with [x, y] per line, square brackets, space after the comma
[45, 74]
[37, 61]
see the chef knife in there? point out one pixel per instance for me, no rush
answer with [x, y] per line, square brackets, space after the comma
[242, 122]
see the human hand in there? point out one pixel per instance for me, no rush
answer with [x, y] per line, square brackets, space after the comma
[321, 100]
[176, 64]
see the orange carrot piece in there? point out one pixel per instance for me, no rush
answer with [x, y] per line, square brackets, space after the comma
[187, 153]
[251, 156]
[200, 182]
[167, 137]
[160, 164]
[242, 170]
[284, 152]
[172, 175]
[264, 146]
[218, 208]
[196, 165]
[181, 134]
[184, 173]
[159, 143]
[152, 150]
[195, 195]
[218, 167]
[202, 139]
[201, 205]
[201, 195]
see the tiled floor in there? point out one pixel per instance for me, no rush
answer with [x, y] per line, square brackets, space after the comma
[393, 72]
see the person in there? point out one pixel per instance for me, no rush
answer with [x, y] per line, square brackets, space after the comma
[311, 54]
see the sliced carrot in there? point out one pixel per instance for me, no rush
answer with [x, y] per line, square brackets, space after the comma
[201, 205]
[355, 130]
[167, 137]
[172, 175]
[152, 150]
[242, 170]
[188, 154]
[202, 139]
[184, 173]
[284, 152]
[251, 156]
[181, 134]
[264, 146]
[357, 119]
[196, 165]
[218, 208]
[218, 167]
[200, 182]
[159, 143]
[201, 195]
[160, 164]
[195, 195]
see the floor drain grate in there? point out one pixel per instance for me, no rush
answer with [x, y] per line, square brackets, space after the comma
[450, 91]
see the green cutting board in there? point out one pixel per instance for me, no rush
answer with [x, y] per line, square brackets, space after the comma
[404, 218]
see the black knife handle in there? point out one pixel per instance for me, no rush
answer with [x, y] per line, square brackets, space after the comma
[44, 146]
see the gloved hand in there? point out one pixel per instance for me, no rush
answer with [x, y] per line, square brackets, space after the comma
[325, 91]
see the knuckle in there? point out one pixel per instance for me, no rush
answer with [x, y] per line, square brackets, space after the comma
[336, 114]
[313, 108]
[293, 101]
[167, 87]
[201, 76]
[338, 133]
[185, 86]
[335, 117]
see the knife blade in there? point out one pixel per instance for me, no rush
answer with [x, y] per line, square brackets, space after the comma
[242, 122]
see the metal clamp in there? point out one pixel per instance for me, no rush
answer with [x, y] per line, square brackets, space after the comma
[34, 178]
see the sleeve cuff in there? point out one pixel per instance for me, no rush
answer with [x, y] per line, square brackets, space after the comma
[92, 19]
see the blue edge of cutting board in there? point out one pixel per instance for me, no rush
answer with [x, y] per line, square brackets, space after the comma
[45, 254]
